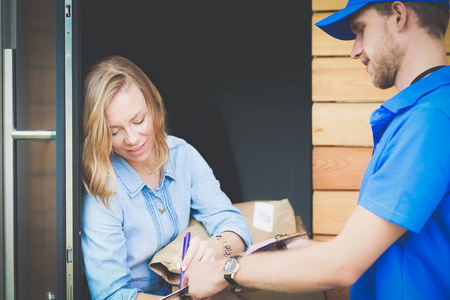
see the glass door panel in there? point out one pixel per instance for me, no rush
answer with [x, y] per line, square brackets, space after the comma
[36, 160]
[36, 219]
[31, 262]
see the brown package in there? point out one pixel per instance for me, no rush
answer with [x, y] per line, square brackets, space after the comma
[284, 221]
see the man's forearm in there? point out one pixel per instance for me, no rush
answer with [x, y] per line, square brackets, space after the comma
[297, 270]
[338, 262]
[301, 243]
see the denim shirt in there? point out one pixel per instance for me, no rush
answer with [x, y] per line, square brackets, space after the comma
[119, 243]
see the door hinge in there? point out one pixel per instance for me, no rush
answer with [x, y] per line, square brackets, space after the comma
[69, 256]
[68, 12]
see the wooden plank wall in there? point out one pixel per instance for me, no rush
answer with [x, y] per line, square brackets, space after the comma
[343, 99]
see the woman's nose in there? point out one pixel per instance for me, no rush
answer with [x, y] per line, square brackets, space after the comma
[132, 137]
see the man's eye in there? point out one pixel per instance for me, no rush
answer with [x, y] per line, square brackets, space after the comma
[360, 31]
[357, 29]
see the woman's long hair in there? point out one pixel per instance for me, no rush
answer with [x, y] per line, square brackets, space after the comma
[104, 80]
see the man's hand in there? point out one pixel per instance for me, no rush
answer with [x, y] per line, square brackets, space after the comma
[205, 279]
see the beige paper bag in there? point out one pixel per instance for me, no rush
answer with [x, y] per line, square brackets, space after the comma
[283, 221]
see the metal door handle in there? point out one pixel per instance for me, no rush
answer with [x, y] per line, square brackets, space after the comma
[48, 134]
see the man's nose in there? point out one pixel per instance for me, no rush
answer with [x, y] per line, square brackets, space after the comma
[357, 50]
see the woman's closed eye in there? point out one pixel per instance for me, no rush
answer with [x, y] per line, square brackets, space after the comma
[139, 121]
[115, 130]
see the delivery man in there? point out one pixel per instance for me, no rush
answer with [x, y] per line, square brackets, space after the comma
[396, 243]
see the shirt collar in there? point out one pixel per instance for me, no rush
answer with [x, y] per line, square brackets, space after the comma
[381, 117]
[169, 170]
[415, 91]
[131, 181]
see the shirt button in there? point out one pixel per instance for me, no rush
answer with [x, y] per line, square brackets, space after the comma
[162, 209]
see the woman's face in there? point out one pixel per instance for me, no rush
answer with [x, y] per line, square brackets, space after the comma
[131, 126]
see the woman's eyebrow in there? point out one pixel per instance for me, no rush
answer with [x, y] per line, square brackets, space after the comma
[137, 114]
[132, 118]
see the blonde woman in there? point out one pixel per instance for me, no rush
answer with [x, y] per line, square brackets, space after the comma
[142, 187]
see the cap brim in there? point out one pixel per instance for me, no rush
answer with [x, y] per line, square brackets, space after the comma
[338, 24]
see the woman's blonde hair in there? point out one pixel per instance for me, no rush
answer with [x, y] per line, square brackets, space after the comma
[104, 80]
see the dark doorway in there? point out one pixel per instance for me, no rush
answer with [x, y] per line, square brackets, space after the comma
[235, 77]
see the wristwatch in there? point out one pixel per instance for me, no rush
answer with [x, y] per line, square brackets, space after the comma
[230, 269]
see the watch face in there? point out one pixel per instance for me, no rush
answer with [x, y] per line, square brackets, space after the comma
[230, 266]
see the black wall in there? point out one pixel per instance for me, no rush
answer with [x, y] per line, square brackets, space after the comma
[235, 77]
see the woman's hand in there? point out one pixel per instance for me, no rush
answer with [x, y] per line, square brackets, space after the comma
[209, 250]
[204, 251]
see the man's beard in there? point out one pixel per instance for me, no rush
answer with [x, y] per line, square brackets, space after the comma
[385, 67]
[384, 74]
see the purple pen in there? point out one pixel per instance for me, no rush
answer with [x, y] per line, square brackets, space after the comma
[186, 241]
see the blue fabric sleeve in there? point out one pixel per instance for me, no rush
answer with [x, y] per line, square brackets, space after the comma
[412, 171]
[210, 204]
[104, 251]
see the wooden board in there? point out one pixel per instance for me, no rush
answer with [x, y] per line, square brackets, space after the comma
[447, 40]
[339, 168]
[325, 45]
[339, 294]
[344, 79]
[323, 237]
[342, 124]
[328, 5]
[331, 210]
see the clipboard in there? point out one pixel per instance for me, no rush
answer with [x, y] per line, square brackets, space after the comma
[180, 294]
[281, 242]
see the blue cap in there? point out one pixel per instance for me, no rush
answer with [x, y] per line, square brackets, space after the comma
[338, 24]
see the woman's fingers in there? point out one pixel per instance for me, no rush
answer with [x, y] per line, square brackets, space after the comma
[186, 260]
[208, 256]
[198, 251]
[202, 249]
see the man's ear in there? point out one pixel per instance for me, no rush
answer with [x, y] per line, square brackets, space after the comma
[400, 15]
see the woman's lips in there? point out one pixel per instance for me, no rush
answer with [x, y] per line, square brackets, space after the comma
[138, 149]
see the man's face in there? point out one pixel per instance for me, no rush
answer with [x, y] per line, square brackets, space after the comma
[375, 47]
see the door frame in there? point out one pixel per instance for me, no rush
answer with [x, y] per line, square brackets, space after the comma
[68, 145]
[68, 149]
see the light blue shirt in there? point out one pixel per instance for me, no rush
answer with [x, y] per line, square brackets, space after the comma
[118, 244]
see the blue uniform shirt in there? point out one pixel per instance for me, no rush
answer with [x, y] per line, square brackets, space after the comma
[407, 182]
[118, 245]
